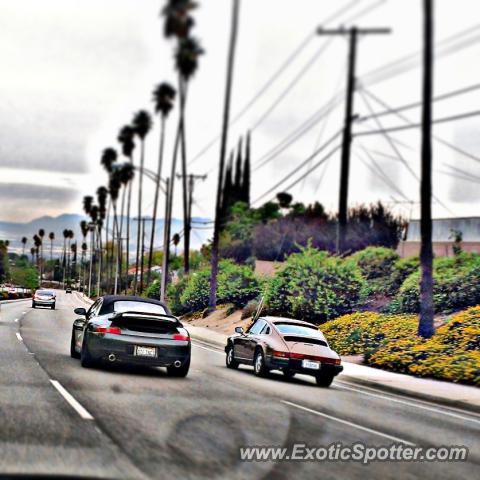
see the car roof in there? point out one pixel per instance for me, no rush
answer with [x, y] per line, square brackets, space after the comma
[275, 320]
[109, 300]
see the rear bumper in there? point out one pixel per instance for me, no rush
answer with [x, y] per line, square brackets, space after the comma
[46, 303]
[102, 346]
[295, 365]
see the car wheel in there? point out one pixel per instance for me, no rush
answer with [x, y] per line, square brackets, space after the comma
[179, 371]
[33, 305]
[73, 352]
[259, 367]
[86, 359]
[324, 380]
[288, 374]
[230, 359]
[53, 307]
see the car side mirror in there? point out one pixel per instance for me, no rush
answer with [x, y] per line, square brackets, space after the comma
[81, 311]
[239, 330]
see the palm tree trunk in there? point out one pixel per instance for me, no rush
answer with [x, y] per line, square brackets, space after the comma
[183, 97]
[157, 192]
[166, 221]
[226, 117]
[140, 186]
[120, 236]
[129, 201]
[92, 240]
[425, 327]
[116, 233]
[143, 256]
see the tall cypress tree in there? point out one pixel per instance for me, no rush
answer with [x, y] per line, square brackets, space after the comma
[245, 197]
[237, 194]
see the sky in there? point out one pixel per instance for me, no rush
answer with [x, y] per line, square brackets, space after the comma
[74, 72]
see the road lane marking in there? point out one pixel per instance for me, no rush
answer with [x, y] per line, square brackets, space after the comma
[16, 320]
[71, 400]
[412, 404]
[20, 339]
[206, 348]
[346, 422]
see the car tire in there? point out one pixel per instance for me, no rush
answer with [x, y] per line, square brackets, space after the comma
[179, 371]
[53, 307]
[288, 374]
[259, 368]
[230, 359]
[33, 305]
[324, 380]
[73, 352]
[86, 359]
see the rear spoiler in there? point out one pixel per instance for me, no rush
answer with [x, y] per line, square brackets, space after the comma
[153, 316]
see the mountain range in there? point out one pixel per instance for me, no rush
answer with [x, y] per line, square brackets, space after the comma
[14, 231]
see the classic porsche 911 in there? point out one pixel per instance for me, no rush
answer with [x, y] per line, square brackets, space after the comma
[292, 346]
[131, 330]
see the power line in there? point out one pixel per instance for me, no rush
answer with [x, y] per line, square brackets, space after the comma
[398, 128]
[284, 66]
[289, 175]
[409, 106]
[436, 137]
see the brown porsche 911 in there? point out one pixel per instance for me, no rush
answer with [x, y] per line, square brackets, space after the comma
[292, 346]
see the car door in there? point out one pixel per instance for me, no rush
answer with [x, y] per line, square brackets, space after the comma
[241, 343]
[253, 338]
[91, 313]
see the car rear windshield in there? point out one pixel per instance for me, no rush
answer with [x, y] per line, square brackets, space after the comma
[295, 329]
[44, 292]
[139, 307]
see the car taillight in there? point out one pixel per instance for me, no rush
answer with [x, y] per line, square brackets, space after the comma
[279, 354]
[181, 338]
[338, 361]
[112, 330]
[298, 356]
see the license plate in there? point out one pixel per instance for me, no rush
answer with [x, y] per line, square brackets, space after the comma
[145, 351]
[311, 365]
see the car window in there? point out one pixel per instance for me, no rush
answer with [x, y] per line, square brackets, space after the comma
[139, 307]
[295, 329]
[95, 308]
[265, 330]
[257, 327]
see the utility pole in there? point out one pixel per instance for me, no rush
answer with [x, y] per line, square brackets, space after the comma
[353, 34]
[188, 224]
[91, 227]
[425, 326]
[166, 241]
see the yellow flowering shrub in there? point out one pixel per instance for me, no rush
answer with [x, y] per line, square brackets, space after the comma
[390, 342]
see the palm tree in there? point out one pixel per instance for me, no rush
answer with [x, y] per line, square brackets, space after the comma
[223, 148]
[24, 244]
[51, 237]
[186, 62]
[126, 139]
[178, 24]
[126, 175]
[102, 195]
[41, 234]
[84, 255]
[176, 241]
[142, 123]
[65, 234]
[163, 97]
[32, 252]
[114, 185]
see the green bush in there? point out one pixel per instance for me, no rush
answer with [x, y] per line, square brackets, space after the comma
[377, 265]
[316, 287]
[455, 285]
[401, 270]
[237, 285]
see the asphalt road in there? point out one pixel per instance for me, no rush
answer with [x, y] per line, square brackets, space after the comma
[58, 418]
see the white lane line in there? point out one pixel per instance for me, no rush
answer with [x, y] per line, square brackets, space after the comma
[20, 339]
[16, 320]
[23, 313]
[346, 422]
[71, 400]
[206, 348]
[412, 404]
